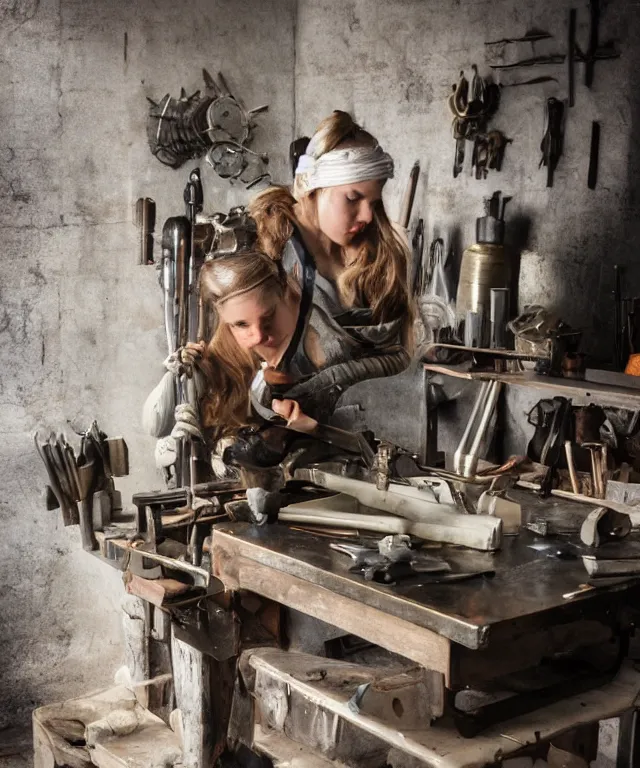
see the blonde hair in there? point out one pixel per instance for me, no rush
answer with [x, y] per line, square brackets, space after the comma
[376, 276]
[229, 369]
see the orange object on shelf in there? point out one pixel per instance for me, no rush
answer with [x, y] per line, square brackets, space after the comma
[633, 365]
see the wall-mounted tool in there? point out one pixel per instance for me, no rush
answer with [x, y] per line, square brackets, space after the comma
[484, 264]
[595, 51]
[532, 81]
[534, 61]
[86, 479]
[531, 36]
[145, 220]
[409, 196]
[488, 152]
[552, 139]
[594, 155]
[472, 104]
[417, 250]
[215, 123]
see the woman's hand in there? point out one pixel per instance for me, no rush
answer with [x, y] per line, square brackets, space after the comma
[190, 355]
[296, 419]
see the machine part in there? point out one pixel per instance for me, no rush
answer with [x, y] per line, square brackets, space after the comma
[603, 525]
[552, 140]
[568, 450]
[499, 314]
[145, 220]
[474, 329]
[557, 58]
[465, 460]
[382, 465]
[188, 127]
[594, 154]
[409, 196]
[490, 227]
[483, 267]
[176, 237]
[232, 233]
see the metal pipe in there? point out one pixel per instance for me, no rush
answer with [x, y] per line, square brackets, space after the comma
[462, 446]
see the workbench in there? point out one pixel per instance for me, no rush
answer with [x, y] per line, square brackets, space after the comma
[436, 624]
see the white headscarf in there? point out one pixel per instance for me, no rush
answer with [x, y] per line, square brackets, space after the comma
[341, 166]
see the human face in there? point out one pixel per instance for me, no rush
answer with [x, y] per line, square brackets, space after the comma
[260, 320]
[345, 211]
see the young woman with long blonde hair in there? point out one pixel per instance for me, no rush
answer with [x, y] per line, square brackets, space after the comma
[327, 254]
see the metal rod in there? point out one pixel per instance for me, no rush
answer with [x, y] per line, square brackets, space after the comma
[492, 399]
[477, 406]
[568, 449]
[571, 56]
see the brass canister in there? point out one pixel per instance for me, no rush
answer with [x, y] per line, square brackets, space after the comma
[483, 267]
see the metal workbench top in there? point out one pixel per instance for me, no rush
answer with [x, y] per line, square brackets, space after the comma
[525, 594]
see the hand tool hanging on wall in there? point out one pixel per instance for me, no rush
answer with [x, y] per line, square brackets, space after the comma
[595, 51]
[417, 249]
[472, 105]
[533, 81]
[551, 145]
[145, 220]
[409, 196]
[594, 155]
[531, 36]
[534, 61]
[86, 479]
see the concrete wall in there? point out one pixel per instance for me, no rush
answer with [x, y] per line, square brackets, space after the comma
[392, 65]
[80, 323]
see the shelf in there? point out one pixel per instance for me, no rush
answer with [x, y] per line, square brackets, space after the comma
[591, 391]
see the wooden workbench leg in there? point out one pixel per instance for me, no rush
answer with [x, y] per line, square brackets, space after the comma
[192, 685]
[136, 637]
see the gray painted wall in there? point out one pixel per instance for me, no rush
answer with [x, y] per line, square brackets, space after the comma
[80, 323]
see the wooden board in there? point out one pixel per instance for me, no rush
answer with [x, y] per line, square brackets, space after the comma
[416, 643]
[442, 746]
[589, 391]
